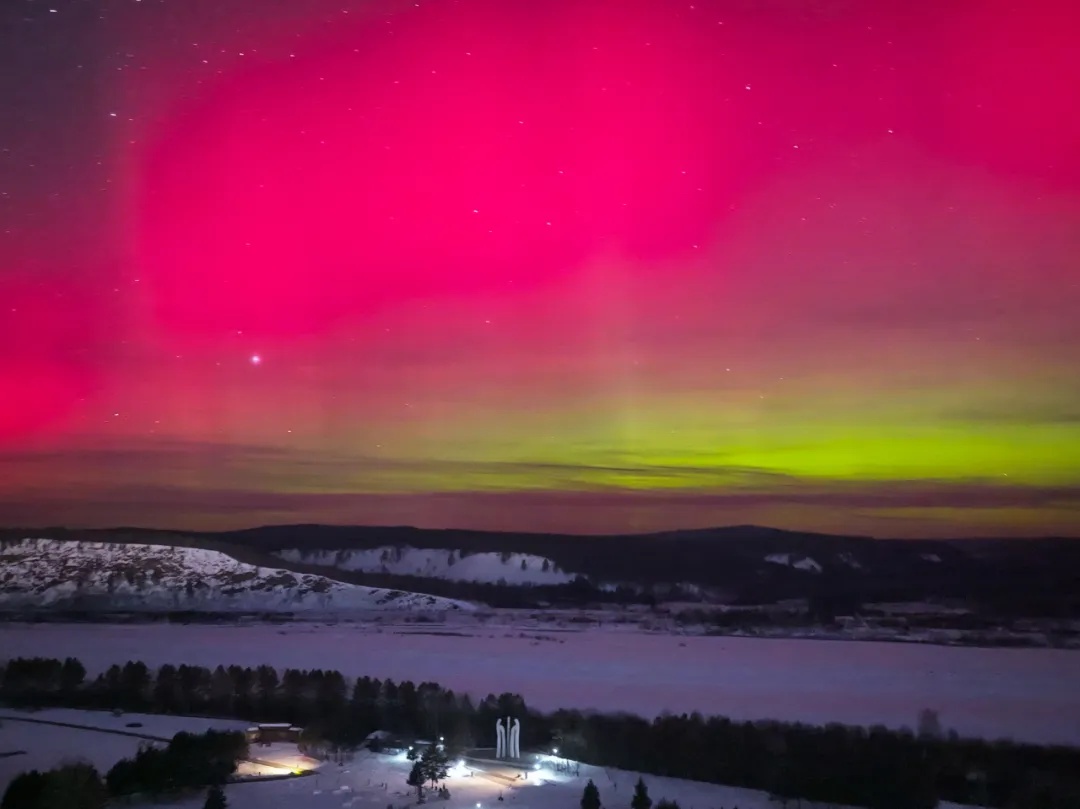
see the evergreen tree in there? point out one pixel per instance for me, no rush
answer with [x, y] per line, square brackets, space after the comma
[416, 779]
[135, 682]
[434, 764]
[24, 791]
[73, 786]
[221, 691]
[266, 678]
[72, 674]
[641, 799]
[590, 797]
[166, 687]
[215, 798]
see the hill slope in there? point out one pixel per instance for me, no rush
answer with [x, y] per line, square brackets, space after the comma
[36, 573]
[453, 565]
[744, 564]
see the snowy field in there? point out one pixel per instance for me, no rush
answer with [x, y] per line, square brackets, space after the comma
[47, 746]
[151, 724]
[369, 781]
[1026, 694]
[359, 785]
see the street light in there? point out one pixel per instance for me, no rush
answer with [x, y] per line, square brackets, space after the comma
[554, 751]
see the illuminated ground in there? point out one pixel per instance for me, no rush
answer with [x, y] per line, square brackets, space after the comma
[376, 781]
[276, 759]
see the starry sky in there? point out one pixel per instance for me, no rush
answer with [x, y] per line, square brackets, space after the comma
[568, 265]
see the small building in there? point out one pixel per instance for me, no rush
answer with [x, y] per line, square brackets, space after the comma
[271, 732]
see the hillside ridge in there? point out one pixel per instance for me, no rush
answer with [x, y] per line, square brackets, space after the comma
[46, 572]
[737, 564]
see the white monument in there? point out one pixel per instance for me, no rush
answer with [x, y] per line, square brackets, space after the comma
[500, 739]
[508, 738]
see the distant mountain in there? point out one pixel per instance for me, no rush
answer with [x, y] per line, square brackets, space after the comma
[37, 573]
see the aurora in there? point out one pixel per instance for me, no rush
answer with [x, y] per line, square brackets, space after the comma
[577, 266]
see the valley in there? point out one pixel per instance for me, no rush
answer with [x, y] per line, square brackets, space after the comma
[1025, 694]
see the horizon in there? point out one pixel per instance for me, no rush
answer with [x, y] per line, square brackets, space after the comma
[565, 535]
[805, 265]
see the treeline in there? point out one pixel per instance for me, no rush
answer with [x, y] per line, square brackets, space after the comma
[578, 592]
[98, 616]
[830, 595]
[189, 761]
[813, 615]
[722, 620]
[876, 768]
[72, 786]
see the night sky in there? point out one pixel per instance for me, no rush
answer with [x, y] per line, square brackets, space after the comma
[579, 265]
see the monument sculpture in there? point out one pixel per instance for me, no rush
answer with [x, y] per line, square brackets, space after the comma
[508, 738]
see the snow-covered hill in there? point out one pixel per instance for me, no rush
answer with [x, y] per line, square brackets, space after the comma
[511, 568]
[806, 563]
[100, 575]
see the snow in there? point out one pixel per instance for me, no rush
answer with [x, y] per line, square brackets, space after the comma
[48, 572]
[48, 746]
[1027, 694]
[849, 560]
[916, 608]
[790, 560]
[152, 724]
[279, 758]
[491, 568]
[358, 784]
